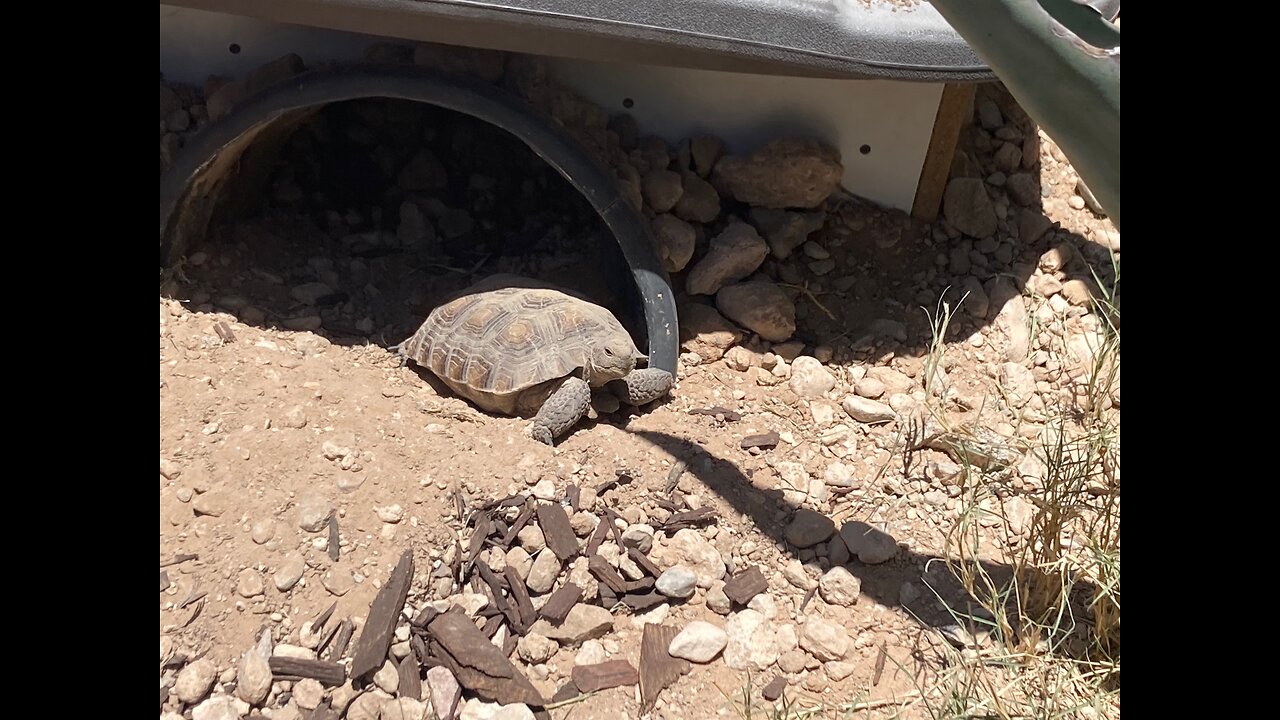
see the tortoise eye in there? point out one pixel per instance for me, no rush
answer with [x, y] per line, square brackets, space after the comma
[608, 352]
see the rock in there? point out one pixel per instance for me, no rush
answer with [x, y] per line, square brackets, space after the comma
[677, 582]
[1011, 318]
[470, 603]
[545, 489]
[700, 202]
[262, 531]
[751, 641]
[907, 593]
[839, 587]
[785, 231]
[310, 293]
[1018, 383]
[213, 504]
[368, 706]
[988, 113]
[414, 228]
[313, 511]
[195, 681]
[249, 583]
[717, 601]
[584, 622]
[404, 708]
[253, 679]
[839, 475]
[869, 387]
[792, 661]
[638, 536]
[424, 173]
[169, 101]
[837, 551]
[967, 207]
[976, 302]
[542, 575]
[824, 639]
[444, 692]
[690, 549]
[705, 150]
[706, 332]
[808, 528]
[1032, 225]
[1023, 189]
[387, 677]
[784, 173]
[1008, 157]
[520, 560]
[591, 653]
[761, 307]
[734, 254]
[699, 642]
[531, 538]
[676, 240]
[475, 709]
[338, 579]
[662, 188]
[795, 574]
[1077, 292]
[867, 411]
[838, 670]
[218, 707]
[390, 514]
[534, 648]
[289, 571]
[868, 544]
[809, 379]
[308, 693]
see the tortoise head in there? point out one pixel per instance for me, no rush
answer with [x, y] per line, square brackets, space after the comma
[612, 357]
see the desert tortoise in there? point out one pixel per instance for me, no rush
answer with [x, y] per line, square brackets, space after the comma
[516, 346]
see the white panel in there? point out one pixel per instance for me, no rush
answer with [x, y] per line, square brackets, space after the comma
[893, 119]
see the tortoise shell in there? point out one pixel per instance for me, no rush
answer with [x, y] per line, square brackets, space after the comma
[506, 348]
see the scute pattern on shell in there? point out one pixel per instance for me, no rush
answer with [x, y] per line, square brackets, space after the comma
[491, 346]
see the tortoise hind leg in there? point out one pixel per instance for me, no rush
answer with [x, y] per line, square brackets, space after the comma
[562, 410]
[642, 386]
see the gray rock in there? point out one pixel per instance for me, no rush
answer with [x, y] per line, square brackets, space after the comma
[717, 601]
[785, 231]
[676, 240]
[839, 587]
[195, 681]
[705, 331]
[839, 475]
[678, 582]
[534, 648]
[837, 551]
[338, 579]
[808, 528]
[752, 642]
[967, 207]
[444, 691]
[977, 304]
[531, 538]
[795, 573]
[639, 537]
[218, 707]
[404, 708]
[988, 113]
[699, 642]
[824, 639]
[1078, 292]
[591, 653]
[733, 255]
[868, 544]
[1018, 383]
[1023, 189]
[310, 293]
[308, 693]
[262, 531]
[838, 670]
[700, 201]
[249, 583]
[253, 679]
[313, 511]
[705, 150]
[690, 549]
[387, 677]
[1011, 318]
[584, 622]
[869, 387]
[520, 560]
[761, 307]
[1032, 225]
[867, 411]
[662, 188]
[368, 706]
[785, 173]
[542, 575]
[809, 379]
[1008, 157]
[289, 571]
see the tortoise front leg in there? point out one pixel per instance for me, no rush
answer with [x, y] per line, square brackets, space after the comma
[642, 386]
[562, 410]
